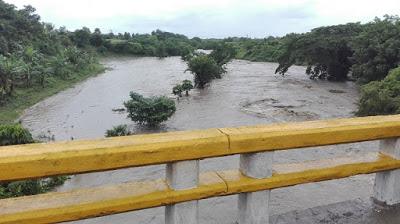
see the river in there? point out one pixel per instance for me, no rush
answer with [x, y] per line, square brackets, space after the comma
[248, 94]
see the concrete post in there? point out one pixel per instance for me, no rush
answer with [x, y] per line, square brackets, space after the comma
[387, 183]
[254, 206]
[180, 176]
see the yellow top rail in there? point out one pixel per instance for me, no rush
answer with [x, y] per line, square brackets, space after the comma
[48, 159]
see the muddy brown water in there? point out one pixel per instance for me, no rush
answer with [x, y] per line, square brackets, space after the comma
[248, 94]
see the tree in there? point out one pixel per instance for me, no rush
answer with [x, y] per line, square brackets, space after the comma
[119, 130]
[177, 90]
[82, 37]
[96, 39]
[161, 50]
[376, 49]
[149, 111]
[325, 51]
[204, 69]
[9, 68]
[223, 53]
[187, 86]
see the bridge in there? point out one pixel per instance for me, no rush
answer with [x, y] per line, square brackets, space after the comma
[183, 184]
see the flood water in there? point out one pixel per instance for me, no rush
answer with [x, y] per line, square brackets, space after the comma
[248, 94]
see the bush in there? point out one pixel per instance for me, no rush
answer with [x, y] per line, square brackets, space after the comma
[120, 130]
[381, 97]
[14, 135]
[177, 90]
[149, 111]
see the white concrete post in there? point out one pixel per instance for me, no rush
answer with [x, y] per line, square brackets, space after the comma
[180, 176]
[254, 206]
[387, 183]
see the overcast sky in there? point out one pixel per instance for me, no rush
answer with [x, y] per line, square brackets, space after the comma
[209, 18]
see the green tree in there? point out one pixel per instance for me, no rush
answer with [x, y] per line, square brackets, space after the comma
[187, 86]
[9, 68]
[96, 39]
[223, 53]
[325, 51]
[82, 37]
[119, 130]
[31, 59]
[161, 50]
[177, 90]
[204, 69]
[376, 49]
[149, 111]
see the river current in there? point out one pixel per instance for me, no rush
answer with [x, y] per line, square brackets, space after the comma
[248, 94]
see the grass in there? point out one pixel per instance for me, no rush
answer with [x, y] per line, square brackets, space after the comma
[24, 98]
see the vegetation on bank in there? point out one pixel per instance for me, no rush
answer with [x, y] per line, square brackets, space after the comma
[36, 60]
[381, 97]
[16, 134]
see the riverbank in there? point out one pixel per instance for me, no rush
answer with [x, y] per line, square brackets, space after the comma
[24, 98]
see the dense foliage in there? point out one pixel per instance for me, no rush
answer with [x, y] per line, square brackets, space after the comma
[381, 97]
[158, 43]
[149, 111]
[119, 130]
[204, 68]
[376, 49]
[366, 51]
[36, 59]
[267, 49]
[325, 51]
[16, 134]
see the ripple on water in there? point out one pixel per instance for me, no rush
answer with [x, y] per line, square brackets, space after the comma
[248, 94]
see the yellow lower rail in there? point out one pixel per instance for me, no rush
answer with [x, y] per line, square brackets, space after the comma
[86, 203]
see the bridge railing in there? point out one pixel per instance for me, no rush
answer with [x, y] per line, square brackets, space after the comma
[183, 185]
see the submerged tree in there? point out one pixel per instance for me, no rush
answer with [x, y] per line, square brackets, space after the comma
[177, 90]
[204, 69]
[149, 111]
[187, 86]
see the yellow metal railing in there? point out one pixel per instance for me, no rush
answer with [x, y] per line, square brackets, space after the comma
[48, 159]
